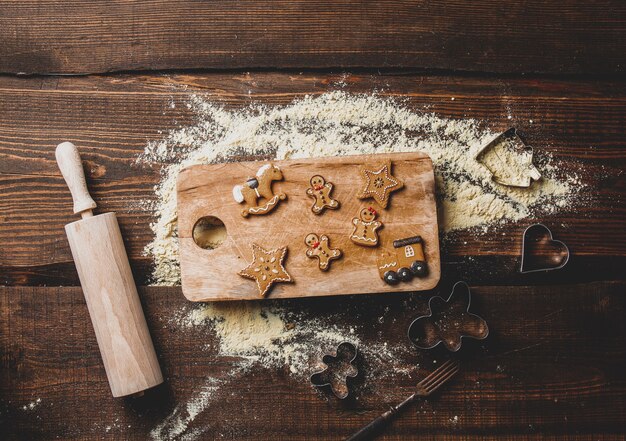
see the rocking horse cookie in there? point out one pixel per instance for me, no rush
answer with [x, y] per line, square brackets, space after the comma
[259, 189]
[365, 227]
[320, 191]
[319, 247]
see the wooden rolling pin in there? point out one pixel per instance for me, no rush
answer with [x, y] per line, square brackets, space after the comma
[127, 352]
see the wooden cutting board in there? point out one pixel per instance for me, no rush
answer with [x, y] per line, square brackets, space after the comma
[212, 274]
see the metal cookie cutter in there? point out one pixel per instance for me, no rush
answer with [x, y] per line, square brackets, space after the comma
[448, 321]
[339, 369]
[509, 160]
[541, 252]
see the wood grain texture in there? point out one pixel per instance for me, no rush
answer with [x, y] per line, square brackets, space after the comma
[212, 274]
[112, 119]
[114, 307]
[79, 36]
[552, 368]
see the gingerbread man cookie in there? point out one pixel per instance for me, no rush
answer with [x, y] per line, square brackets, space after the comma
[365, 227]
[257, 192]
[320, 192]
[266, 268]
[319, 247]
[378, 183]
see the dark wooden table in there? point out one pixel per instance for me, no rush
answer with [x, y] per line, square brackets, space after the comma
[554, 366]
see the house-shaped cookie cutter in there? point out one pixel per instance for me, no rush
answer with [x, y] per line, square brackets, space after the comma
[521, 173]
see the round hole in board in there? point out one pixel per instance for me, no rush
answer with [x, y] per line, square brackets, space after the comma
[209, 232]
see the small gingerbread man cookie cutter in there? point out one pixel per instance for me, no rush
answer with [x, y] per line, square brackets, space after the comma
[320, 191]
[259, 188]
[339, 370]
[319, 248]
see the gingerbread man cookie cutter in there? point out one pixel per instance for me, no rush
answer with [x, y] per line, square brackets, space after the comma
[339, 369]
[365, 228]
[448, 321]
[320, 191]
[259, 188]
[319, 248]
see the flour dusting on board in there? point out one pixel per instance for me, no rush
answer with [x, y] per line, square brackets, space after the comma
[333, 124]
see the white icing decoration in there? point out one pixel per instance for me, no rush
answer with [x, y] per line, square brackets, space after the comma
[263, 169]
[237, 194]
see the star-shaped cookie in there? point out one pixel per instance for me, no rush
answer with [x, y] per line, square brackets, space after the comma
[378, 183]
[266, 268]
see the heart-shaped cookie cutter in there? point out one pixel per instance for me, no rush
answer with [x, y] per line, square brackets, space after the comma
[448, 321]
[541, 234]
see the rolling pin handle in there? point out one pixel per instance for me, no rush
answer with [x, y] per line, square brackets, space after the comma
[71, 167]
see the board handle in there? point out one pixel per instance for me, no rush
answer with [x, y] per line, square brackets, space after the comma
[71, 168]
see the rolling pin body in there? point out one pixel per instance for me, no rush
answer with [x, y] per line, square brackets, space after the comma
[114, 307]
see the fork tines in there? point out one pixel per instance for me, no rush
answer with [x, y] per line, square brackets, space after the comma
[438, 377]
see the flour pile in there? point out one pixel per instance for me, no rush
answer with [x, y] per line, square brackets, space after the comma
[332, 124]
[274, 336]
[336, 124]
[253, 336]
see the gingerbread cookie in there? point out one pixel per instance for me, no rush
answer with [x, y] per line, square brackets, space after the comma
[319, 247]
[267, 268]
[378, 183]
[405, 261]
[365, 227]
[259, 188]
[320, 192]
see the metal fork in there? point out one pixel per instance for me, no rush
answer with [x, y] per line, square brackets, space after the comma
[424, 388]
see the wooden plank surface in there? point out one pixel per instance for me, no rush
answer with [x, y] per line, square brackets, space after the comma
[551, 368]
[206, 190]
[111, 119]
[79, 36]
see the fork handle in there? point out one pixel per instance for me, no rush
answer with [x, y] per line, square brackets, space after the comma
[377, 425]
[373, 428]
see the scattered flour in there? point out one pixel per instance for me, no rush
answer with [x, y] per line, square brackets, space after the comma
[275, 336]
[335, 124]
[332, 124]
[176, 425]
[256, 335]
[32, 405]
